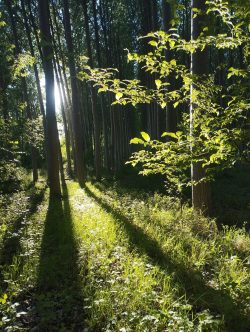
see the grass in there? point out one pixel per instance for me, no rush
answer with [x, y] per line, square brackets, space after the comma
[107, 259]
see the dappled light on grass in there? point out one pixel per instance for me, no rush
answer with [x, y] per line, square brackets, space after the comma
[175, 250]
[105, 259]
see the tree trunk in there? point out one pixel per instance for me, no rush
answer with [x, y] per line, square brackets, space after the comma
[62, 105]
[171, 116]
[96, 121]
[51, 125]
[201, 192]
[79, 153]
[17, 51]
[32, 52]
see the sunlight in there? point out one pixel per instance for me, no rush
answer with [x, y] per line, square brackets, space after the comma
[57, 98]
[56, 93]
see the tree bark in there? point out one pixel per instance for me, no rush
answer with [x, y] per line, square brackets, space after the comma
[171, 116]
[17, 51]
[32, 52]
[51, 125]
[79, 153]
[96, 120]
[103, 108]
[201, 192]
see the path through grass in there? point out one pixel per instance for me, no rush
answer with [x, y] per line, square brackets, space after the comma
[102, 259]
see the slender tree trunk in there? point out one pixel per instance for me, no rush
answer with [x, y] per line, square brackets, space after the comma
[61, 66]
[79, 153]
[34, 27]
[61, 55]
[62, 105]
[17, 51]
[51, 125]
[32, 52]
[96, 121]
[201, 192]
[171, 116]
[65, 124]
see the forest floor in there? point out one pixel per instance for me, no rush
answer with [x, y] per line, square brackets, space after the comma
[103, 258]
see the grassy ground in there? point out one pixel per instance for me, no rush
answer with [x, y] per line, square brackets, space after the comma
[104, 259]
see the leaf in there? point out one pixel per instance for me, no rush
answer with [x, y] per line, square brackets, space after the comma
[173, 62]
[163, 104]
[171, 43]
[118, 95]
[136, 141]
[145, 136]
[3, 299]
[153, 43]
[169, 134]
[176, 104]
[158, 84]
[130, 57]
[103, 89]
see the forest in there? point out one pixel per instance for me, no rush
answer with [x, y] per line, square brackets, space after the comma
[125, 165]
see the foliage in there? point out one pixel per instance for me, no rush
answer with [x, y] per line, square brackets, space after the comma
[11, 176]
[22, 65]
[34, 133]
[218, 132]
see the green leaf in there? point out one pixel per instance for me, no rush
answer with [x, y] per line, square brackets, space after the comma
[169, 134]
[153, 43]
[3, 299]
[136, 141]
[158, 84]
[103, 89]
[145, 136]
[163, 104]
[171, 43]
[130, 56]
[118, 95]
[176, 104]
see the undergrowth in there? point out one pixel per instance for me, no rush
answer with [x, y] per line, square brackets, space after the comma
[103, 259]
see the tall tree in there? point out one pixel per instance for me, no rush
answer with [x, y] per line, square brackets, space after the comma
[51, 125]
[32, 52]
[96, 120]
[78, 140]
[201, 191]
[168, 15]
[25, 94]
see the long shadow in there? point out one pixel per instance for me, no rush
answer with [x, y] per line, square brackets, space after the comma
[11, 240]
[58, 299]
[199, 293]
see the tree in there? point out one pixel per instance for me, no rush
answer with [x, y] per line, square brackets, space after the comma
[51, 125]
[96, 120]
[25, 94]
[168, 16]
[78, 139]
[215, 130]
[201, 191]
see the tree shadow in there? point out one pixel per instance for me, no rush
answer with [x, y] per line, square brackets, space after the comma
[11, 240]
[200, 295]
[58, 300]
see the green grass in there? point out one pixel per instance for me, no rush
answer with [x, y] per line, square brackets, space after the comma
[107, 259]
